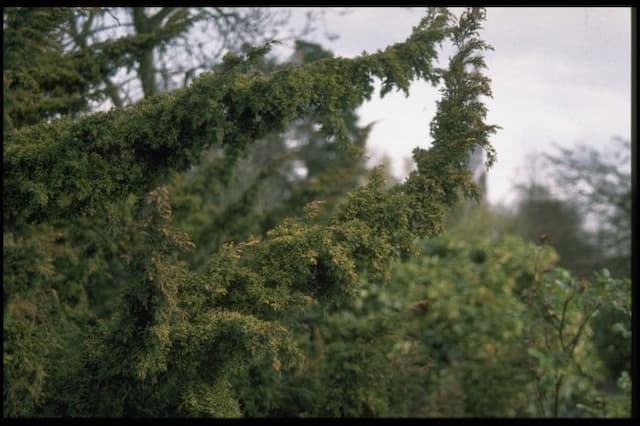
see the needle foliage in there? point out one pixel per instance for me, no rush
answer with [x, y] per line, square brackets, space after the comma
[85, 202]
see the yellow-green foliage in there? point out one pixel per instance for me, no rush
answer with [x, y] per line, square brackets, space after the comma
[178, 338]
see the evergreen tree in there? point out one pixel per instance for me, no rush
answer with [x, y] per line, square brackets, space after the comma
[180, 341]
[278, 176]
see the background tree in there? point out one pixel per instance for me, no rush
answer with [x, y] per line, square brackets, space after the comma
[543, 216]
[599, 182]
[580, 198]
[172, 53]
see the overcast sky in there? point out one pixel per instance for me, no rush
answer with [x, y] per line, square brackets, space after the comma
[559, 75]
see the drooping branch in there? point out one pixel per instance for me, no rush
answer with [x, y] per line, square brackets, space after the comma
[132, 150]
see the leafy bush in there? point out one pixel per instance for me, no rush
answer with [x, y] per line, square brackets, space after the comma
[484, 329]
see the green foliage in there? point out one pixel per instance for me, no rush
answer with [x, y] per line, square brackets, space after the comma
[84, 206]
[465, 319]
[569, 375]
[132, 150]
[165, 259]
[266, 186]
[455, 336]
[44, 79]
[37, 81]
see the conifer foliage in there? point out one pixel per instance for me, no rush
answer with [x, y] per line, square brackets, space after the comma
[82, 194]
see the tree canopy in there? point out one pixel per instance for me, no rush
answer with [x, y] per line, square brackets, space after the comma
[178, 335]
[168, 257]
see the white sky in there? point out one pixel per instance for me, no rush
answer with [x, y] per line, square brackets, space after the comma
[559, 75]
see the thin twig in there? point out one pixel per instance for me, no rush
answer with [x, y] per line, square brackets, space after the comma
[557, 395]
[574, 341]
[561, 327]
[540, 396]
